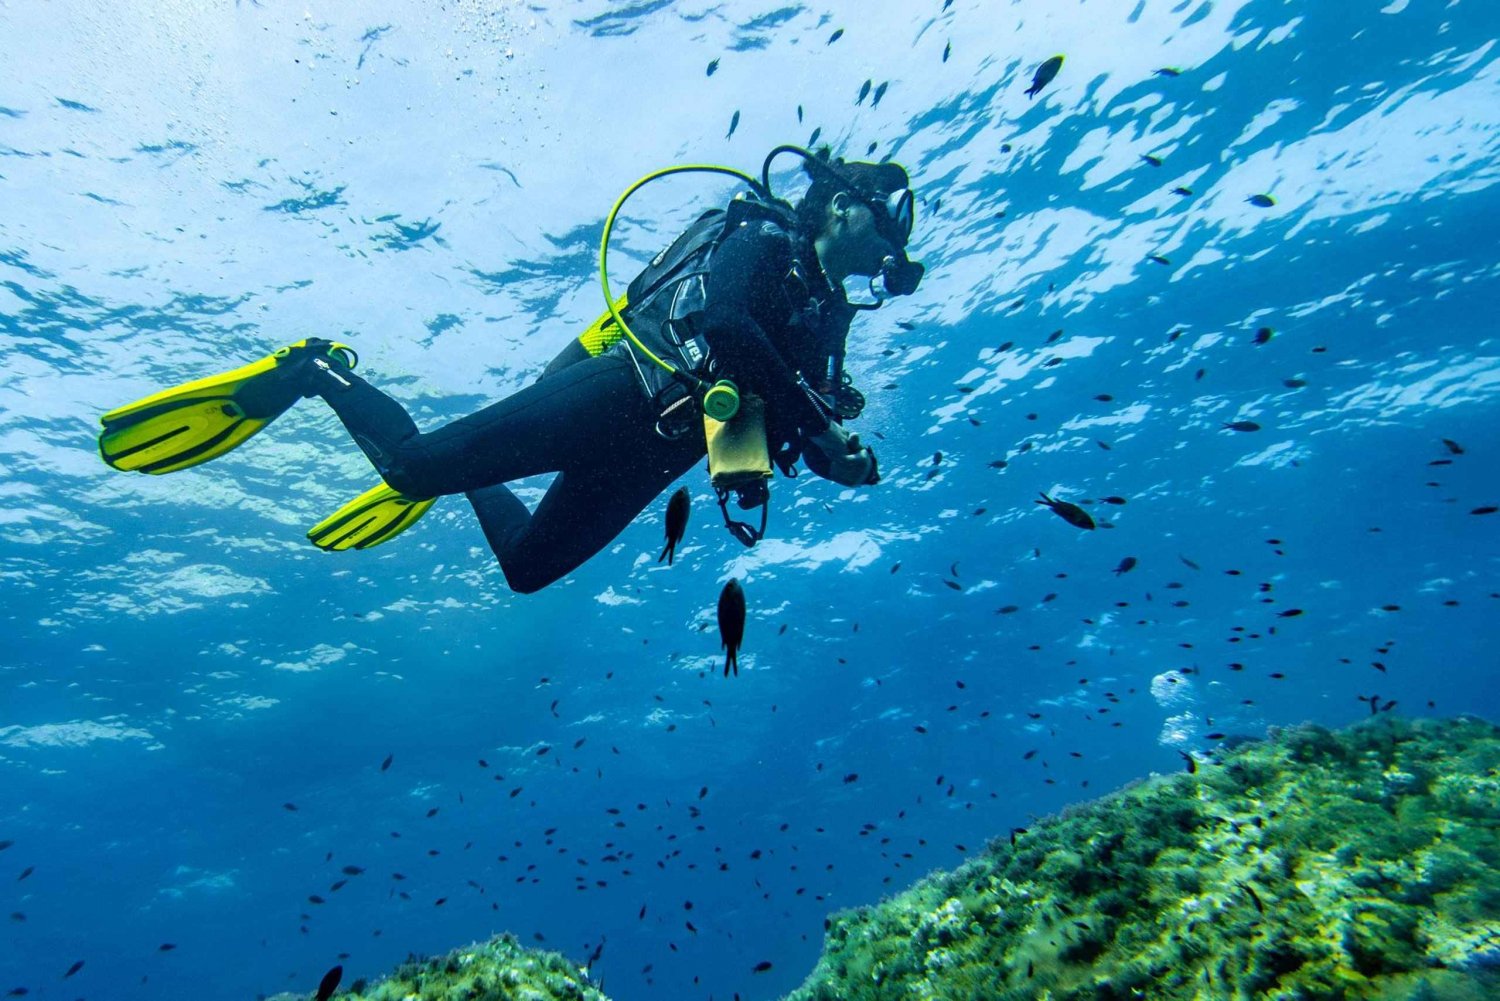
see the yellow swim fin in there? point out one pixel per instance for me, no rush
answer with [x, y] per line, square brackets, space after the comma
[201, 420]
[375, 516]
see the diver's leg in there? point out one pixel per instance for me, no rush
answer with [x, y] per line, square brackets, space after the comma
[583, 510]
[540, 429]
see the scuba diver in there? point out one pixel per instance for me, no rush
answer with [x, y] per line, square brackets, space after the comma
[749, 303]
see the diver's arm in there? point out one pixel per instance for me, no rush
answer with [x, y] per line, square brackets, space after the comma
[747, 271]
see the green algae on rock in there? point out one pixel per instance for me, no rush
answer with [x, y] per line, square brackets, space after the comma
[500, 969]
[1350, 865]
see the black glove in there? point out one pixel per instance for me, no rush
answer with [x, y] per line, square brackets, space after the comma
[846, 461]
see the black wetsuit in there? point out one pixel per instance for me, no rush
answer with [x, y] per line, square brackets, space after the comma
[589, 419]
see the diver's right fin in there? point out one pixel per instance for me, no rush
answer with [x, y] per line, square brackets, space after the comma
[201, 420]
[375, 516]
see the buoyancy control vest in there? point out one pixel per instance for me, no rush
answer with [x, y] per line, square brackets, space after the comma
[662, 302]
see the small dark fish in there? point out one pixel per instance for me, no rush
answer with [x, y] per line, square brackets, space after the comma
[1126, 565]
[712, 66]
[851, 777]
[835, 36]
[1184, 192]
[1190, 762]
[1453, 446]
[1290, 613]
[1487, 509]
[1188, 563]
[166, 947]
[353, 870]
[1254, 898]
[732, 624]
[1054, 336]
[677, 518]
[1043, 76]
[1241, 426]
[1104, 398]
[385, 765]
[1113, 500]
[329, 984]
[1155, 161]
[1294, 383]
[812, 140]
[799, 114]
[26, 872]
[289, 807]
[879, 93]
[5, 844]
[73, 969]
[1261, 201]
[734, 123]
[947, 51]
[1263, 335]
[1158, 259]
[1071, 513]
[1168, 71]
[864, 91]
[762, 966]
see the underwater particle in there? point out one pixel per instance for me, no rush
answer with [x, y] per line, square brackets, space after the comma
[734, 123]
[947, 51]
[864, 91]
[385, 765]
[879, 93]
[1126, 565]
[1185, 192]
[1071, 513]
[712, 66]
[1261, 201]
[1159, 259]
[677, 517]
[1453, 447]
[1264, 335]
[732, 623]
[1044, 75]
[835, 36]
[1154, 161]
[329, 984]
[1241, 426]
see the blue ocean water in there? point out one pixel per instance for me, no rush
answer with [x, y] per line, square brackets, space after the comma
[185, 187]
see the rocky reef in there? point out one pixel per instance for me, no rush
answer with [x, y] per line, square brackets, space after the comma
[1350, 865]
[500, 969]
[1361, 864]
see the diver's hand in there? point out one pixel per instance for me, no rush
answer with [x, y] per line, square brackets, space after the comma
[849, 463]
